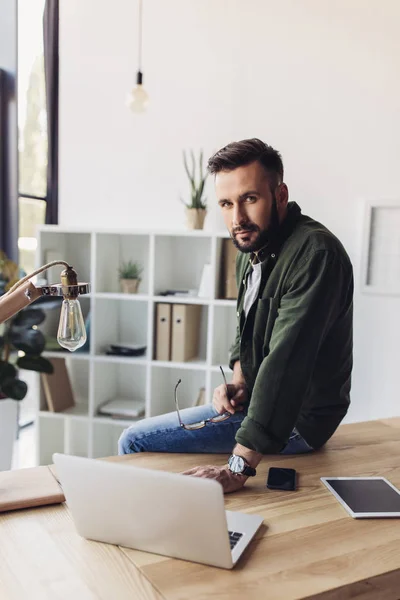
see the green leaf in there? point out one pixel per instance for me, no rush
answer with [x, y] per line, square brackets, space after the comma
[7, 371]
[194, 168]
[14, 388]
[30, 341]
[35, 363]
[192, 182]
[29, 317]
[201, 164]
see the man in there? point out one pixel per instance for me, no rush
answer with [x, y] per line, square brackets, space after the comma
[292, 357]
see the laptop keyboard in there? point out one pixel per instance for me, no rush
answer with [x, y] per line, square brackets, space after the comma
[234, 537]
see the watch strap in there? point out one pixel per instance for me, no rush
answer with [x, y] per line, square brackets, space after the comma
[249, 471]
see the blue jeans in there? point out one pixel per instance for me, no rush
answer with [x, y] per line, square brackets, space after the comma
[164, 434]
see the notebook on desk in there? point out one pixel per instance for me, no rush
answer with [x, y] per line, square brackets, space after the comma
[25, 488]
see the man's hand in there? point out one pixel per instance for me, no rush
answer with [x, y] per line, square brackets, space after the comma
[229, 481]
[237, 393]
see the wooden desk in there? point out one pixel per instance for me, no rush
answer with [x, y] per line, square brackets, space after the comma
[309, 548]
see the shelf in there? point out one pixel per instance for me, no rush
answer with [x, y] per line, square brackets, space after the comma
[224, 302]
[77, 437]
[182, 299]
[113, 250]
[179, 262]
[163, 382]
[195, 364]
[73, 247]
[118, 380]
[110, 421]
[105, 438]
[224, 331]
[109, 358]
[171, 260]
[79, 411]
[186, 233]
[119, 322]
[226, 368]
[66, 355]
[120, 296]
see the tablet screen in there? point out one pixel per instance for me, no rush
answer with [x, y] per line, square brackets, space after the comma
[367, 495]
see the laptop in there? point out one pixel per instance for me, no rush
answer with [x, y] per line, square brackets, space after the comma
[155, 511]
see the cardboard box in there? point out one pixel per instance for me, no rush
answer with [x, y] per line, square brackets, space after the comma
[185, 331]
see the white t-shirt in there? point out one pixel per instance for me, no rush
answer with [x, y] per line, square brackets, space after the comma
[253, 287]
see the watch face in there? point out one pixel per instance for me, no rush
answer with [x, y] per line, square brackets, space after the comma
[236, 464]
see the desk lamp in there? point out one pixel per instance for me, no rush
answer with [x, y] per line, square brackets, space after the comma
[71, 330]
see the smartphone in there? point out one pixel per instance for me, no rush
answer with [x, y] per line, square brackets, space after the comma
[281, 479]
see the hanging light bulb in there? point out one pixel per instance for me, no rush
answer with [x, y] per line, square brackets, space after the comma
[71, 329]
[138, 99]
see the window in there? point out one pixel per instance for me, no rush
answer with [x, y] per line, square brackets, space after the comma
[32, 129]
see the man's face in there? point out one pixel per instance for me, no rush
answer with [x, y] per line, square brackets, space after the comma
[248, 206]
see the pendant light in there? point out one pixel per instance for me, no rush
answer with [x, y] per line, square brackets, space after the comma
[138, 98]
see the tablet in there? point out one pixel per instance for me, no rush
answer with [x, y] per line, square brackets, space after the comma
[365, 497]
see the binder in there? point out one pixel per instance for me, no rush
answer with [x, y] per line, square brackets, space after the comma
[57, 387]
[229, 287]
[185, 331]
[163, 331]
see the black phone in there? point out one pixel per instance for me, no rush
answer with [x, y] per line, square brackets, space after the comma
[281, 479]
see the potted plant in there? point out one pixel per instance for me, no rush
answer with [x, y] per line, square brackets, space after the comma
[21, 344]
[129, 276]
[196, 209]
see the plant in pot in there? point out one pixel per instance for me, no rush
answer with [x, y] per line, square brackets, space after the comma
[21, 345]
[196, 209]
[129, 276]
[21, 342]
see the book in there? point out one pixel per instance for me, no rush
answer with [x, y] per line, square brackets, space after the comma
[123, 408]
[57, 387]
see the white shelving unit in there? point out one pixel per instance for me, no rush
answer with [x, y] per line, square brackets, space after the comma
[171, 260]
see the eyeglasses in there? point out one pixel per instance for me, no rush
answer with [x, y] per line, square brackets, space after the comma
[201, 424]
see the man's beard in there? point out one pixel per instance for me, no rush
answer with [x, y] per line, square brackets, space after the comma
[264, 235]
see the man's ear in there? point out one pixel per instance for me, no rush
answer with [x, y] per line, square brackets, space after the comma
[282, 195]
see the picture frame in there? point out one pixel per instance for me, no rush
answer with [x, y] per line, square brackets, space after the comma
[380, 268]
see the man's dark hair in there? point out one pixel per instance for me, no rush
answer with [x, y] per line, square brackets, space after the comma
[239, 154]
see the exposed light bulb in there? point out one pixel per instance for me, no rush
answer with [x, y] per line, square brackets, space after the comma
[71, 329]
[138, 99]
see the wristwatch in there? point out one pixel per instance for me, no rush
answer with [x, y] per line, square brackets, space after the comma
[240, 466]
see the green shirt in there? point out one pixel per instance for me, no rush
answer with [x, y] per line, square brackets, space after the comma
[295, 346]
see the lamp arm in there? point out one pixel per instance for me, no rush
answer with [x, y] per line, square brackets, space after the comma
[53, 263]
[13, 302]
[24, 292]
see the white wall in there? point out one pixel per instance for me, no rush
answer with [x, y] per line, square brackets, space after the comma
[317, 79]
